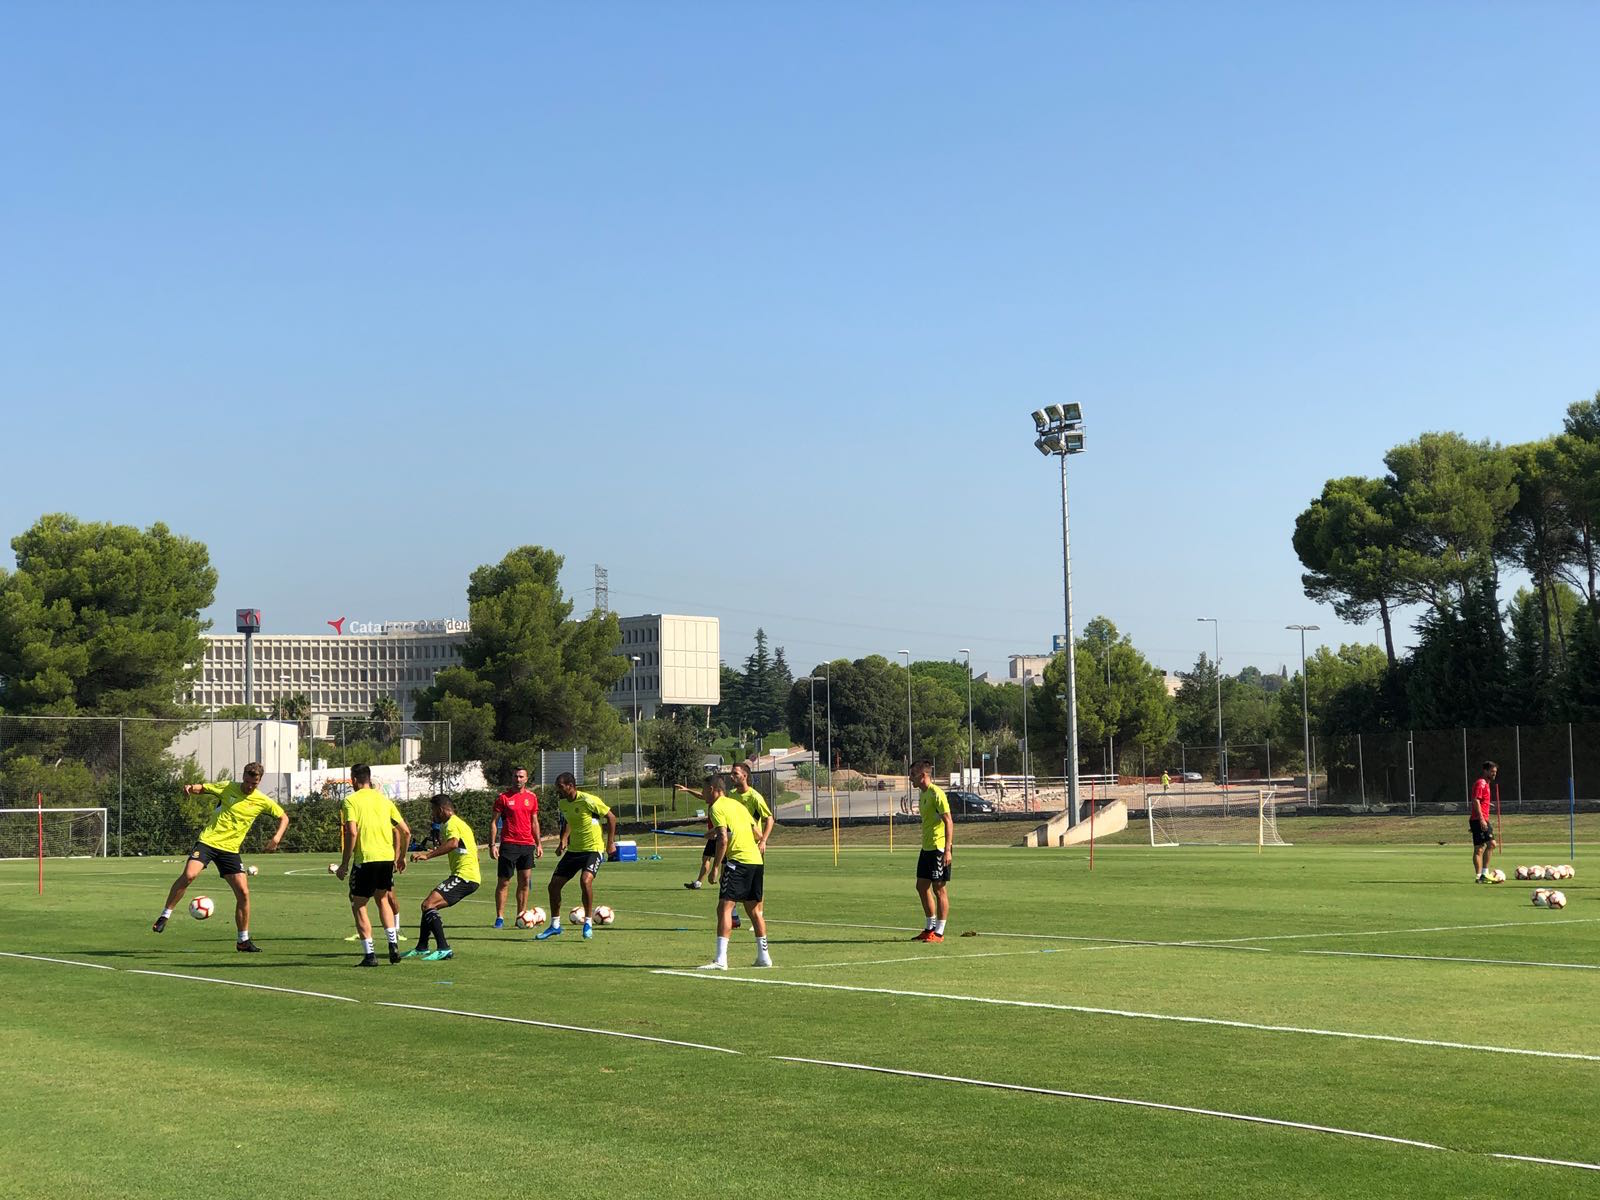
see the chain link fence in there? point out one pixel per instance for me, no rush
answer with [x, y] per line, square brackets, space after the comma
[134, 767]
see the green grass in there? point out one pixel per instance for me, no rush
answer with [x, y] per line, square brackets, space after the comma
[123, 1085]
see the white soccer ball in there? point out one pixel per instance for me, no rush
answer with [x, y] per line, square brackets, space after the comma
[252, 869]
[577, 913]
[1536, 872]
[1540, 896]
[1497, 876]
[1522, 873]
[333, 868]
[530, 918]
[1567, 872]
[200, 908]
[603, 915]
[1556, 900]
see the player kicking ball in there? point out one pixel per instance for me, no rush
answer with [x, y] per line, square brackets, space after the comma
[582, 848]
[938, 844]
[377, 835]
[740, 862]
[456, 841]
[238, 806]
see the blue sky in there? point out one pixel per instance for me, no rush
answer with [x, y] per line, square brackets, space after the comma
[750, 303]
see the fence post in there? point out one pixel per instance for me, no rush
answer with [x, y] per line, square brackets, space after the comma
[1517, 730]
[1361, 771]
[119, 787]
[1411, 771]
[1572, 798]
[1466, 770]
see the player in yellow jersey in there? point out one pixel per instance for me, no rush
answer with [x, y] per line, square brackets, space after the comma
[938, 845]
[582, 847]
[377, 835]
[238, 806]
[760, 811]
[743, 872]
[455, 840]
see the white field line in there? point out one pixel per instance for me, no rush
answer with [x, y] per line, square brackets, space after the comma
[1124, 1100]
[1131, 1014]
[66, 962]
[1500, 962]
[917, 958]
[1187, 1110]
[260, 987]
[1286, 937]
[635, 1037]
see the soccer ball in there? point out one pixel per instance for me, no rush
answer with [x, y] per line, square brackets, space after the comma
[1497, 876]
[1535, 872]
[603, 915]
[252, 869]
[1556, 900]
[1567, 872]
[201, 907]
[1541, 897]
[530, 918]
[1522, 872]
[333, 868]
[577, 913]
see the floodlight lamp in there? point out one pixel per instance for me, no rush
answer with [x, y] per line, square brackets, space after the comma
[1041, 447]
[1072, 443]
[1072, 413]
[1040, 421]
[1054, 412]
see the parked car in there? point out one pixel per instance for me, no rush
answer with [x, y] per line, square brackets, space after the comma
[970, 804]
[1186, 776]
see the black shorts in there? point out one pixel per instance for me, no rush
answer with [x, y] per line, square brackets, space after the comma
[574, 861]
[741, 882]
[514, 856]
[369, 878]
[228, 861]
[455, 889]
[711, 848]
[1482, 832]
[930, 866]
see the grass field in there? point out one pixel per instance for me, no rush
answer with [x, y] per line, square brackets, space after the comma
[1176, 1013]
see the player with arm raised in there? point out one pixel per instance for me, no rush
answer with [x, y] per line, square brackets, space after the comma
[238, 806]
[377, 835]
[743, 874]
[456, 841]
[708, 856]
[514, 843]
[938, 846]
[582, 847]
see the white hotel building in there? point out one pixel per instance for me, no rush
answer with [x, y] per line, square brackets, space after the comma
[339, 673]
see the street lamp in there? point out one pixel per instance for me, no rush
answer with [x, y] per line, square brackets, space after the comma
[635, 673]
[812, 680]
[1060, 432]
[907, 656]
[968, 653]
[1305, 700]
[1216, 662]
[1026, 749]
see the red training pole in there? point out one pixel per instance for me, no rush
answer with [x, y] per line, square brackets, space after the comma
[38, 800]
[1091, 831]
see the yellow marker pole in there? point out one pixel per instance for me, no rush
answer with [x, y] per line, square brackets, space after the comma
[833, 801]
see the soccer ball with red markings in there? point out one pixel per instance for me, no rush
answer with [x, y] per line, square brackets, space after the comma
[530, 918]
[603, 915]
[201, 908]
[1541, 897]
[252, 870]
[577, 913]
[1497, 876]
[1522, 873]
[333, 868]
[1556, 900]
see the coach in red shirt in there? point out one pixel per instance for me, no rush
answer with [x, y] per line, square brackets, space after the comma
[514, 843]
[1483, 842]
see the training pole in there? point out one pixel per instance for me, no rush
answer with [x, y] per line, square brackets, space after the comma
[833, 801]
[1572, 799]
[1091, 828]
[38, 800]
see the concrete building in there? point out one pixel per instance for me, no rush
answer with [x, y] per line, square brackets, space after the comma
[1027, 664]
[340, 673]
[680, 662]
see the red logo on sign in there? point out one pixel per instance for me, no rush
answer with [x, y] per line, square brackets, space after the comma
[338, 626]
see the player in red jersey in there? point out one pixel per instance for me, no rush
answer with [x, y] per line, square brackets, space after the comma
[1483, 842]
[514, 843]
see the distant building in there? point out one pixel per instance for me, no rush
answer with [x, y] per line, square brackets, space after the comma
[1027, 664]
[680, 662]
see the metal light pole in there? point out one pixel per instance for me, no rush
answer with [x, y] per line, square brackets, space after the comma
[1060, 433]
[636, 806]
[968, 653]
[1026, 749]
[907, 655]
[1216, 662]
[1111, 733]
[812, 680]
[1305, 700]
[827, 682]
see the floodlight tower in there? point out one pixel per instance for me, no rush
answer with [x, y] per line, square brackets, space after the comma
[1305, 698]
[1059, 432]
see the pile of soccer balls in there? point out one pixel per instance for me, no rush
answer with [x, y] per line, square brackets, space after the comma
[1536, 872]
[530, 918]
[602, 915]
[1546, 898]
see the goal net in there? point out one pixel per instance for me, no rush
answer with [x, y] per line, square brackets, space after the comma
[1237, 818]
[66, 832]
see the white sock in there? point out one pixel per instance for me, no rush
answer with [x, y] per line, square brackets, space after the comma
[394, 935]
[555, 922]
[722, 949]
[366, 945]
[931, 923]
[938, 927]
[761, 944]
[166, 912]
[244, 935]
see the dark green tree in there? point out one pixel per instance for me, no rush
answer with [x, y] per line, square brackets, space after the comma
[674, 754]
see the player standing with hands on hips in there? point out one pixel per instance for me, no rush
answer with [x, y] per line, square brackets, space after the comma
[1483, 842]
[514, 843]
[938, 843]
[238, 806]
